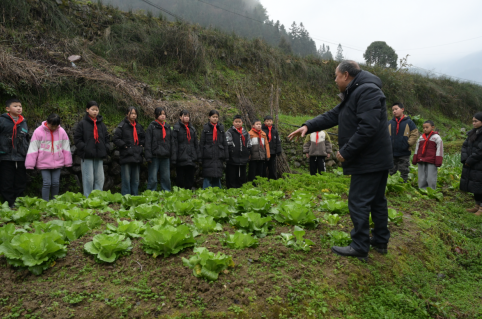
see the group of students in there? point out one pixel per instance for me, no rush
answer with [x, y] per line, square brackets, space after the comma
[162, 146]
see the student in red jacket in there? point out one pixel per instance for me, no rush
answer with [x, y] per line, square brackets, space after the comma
[428, 155]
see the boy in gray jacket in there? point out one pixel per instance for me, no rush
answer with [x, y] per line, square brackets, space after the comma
[317, 146]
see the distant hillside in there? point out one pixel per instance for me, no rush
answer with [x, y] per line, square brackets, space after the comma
[469, 67]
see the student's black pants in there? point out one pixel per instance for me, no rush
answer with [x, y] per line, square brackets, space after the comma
[185, 176]
[14, 180]
[367, 194]
[271, 167]
[256, 168]
[235, 175]
[317, 165]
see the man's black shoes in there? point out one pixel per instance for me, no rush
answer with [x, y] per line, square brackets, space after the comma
[380, 248]
[348, 251]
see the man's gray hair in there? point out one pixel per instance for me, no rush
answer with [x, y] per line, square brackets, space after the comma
[349, 66]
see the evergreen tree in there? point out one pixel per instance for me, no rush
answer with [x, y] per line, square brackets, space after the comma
[381, 54]
[285, 45]
[339, 53]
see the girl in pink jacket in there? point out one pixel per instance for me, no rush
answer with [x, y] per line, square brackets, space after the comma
[49, 151]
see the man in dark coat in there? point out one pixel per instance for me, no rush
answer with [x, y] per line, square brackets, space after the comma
[471, 179]
[365, 152]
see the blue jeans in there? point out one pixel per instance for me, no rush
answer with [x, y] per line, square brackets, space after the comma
[92, 175]
[161, 165]
[211, 182]
[51, 183]
[130, 178]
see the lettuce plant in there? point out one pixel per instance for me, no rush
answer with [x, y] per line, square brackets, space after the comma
[183, 208]
[131, 229]
[335, 206]
[206, 264]
[7, 232]
[296, 213]
[337, 238]
[70, 230]
[36, 252]
[164, 220]
[69, 197]
[259, 205]
[106, 196]
[25, 215]
[108, 247]
[218, 212]
[206, 224]
[296, 240]
[129, 201]
[145, 211]
[394, 216]
[55, 208]
[252, 223]
[332, 219]
[31, 202]
[431, 193]
[240, 240]
[166, 240]
[93, 221]
[94, 203]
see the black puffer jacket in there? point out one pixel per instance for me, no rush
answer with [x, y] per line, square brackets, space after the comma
[184, 152]
[238, 152]
[16, 151]
[156, 146]
[471, 180]
[361, 117]
[84, 139]
[275, 143]
[213, 154]
[124, 140]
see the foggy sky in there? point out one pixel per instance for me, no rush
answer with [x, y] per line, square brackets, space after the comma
[404, 25]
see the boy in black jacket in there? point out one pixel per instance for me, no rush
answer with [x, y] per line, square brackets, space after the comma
[92, 142]
[239, 145]
[14, 141]
[185, 150]
[274, 145]
[158, 151]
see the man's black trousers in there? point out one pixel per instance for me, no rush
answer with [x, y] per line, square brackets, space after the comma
[317, 165]
[14, 180]
[271, 168]
[185, 176]
[235, 175]
[367, 194]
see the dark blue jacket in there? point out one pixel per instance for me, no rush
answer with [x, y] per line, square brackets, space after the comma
[16, 150]
[407, 136]
[362, 126]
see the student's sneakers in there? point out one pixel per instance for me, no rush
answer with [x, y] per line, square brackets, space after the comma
[348, 251]
[380, 248]
[473, 210]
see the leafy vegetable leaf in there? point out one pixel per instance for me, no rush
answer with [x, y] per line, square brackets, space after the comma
[206, 264]
[239, 240]
[108, 247]
[166, 240]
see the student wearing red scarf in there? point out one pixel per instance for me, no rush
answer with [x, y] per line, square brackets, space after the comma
[14, 141]
[428, 155]
[49, 151]
[260, 152]
[274, 141]
[213, 151]
[158, 151]
[92, 146]
[239, 146]
[317, 147]
[129, 137]
[185, 151]
[404, 134]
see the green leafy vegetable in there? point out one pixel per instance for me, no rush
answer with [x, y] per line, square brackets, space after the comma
[7, 232]
[206, 264]
[106, 196]
[239, 240]
[335, 206]
[93, 221]
[218, 212]
[166, 240]
[432, 193]
[296, 240]
[37, 252]
[108, 247]
[132, 229]
[70, 230]
[69, 197]
[296, 213]
[25, 216]
[31, 202]
[129, 201]
[206, 224]
[145, 211]
[252, 223]
[394, 216]
[332, 219]
[337, 238]
[259, 205]
[94, 203]
[164, 220]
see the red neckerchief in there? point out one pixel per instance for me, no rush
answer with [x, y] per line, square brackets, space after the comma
[398, 122]
[240, 131]
[269, 134]
[163, 130]
[14, 132]
[426, 138]
[134, 132]
[51, 135]
[96, 132]
[215, 132]
[317, 137]
[260, 138]
[188, 132]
